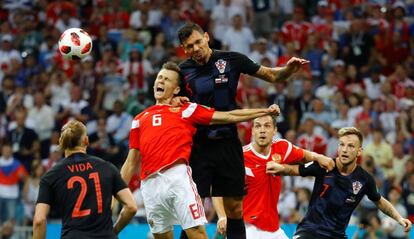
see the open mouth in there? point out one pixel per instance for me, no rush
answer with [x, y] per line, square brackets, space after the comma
[262, 137]
[159, 89]
[345, 156]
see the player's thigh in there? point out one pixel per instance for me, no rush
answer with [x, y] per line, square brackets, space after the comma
[166, 235]
[252, 232]
[202, 167]
[229, 172]
[187, 202]
[197, 232]
[159, 215]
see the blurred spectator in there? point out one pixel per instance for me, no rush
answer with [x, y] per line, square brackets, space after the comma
[303, 103]
[66, 21]
[8, 53]
[320, 116]
[310, 140]
[391, 229]
[261, 51]
[103, 145]
[326, 91]
[158, 52]
[408, 196]
[280, 97]
[237, 37]
[119, 124]
[222, 16]
[31, 190]
[145, 7]
[58, 90]
[136, 69]
[54, 157]
[381, 152]
[357, 44]
[90, 83]
[373, 83]
[25, 142]
[297, 30]
[41, 118]
[11, 174]
[313, 53]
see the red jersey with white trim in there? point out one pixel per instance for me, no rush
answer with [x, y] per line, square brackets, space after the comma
[164, 134]
[260, 203]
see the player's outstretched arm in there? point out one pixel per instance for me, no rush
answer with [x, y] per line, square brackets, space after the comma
[39, 220]
[282, 169]
[280, 73]
[128, 210]
[235, 116]
[131, 165]
[323, 161]
[387, 208]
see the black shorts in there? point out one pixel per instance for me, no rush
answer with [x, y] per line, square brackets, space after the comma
[310, 235]
[218, 167]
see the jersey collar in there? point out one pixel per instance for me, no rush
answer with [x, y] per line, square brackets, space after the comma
[259, 154]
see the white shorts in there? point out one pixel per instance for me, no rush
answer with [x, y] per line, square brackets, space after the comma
[171, 198]
[252, 232]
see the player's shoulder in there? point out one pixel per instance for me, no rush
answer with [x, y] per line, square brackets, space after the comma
[362, 173]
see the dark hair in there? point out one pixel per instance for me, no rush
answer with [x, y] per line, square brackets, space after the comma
[274, 120]
[71, 135]
[172, 66]
[185, 31]
[351, 131]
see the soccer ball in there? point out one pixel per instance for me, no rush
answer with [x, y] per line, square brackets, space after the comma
[75, 44]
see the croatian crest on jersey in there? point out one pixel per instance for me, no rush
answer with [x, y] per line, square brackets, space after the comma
[356, 187]
[221, 65]
[277, 158]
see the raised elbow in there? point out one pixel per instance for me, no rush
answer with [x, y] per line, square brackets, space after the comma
[131, 209]
[39, 221]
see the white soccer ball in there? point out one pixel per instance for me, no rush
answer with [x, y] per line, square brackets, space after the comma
[75, 44]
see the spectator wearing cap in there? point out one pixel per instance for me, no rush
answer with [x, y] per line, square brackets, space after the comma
[41, 118]
[8, 54]
[11, 173]
[297, 30]
[55, 155]
[222, 17]
[237, 37]
[261, 51]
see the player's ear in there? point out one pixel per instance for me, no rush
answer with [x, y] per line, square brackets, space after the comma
[359, 153]
[86, 141]
[177, 90]
[206, 36]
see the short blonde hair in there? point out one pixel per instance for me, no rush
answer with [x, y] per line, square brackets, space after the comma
[71, 135]
[351, 131]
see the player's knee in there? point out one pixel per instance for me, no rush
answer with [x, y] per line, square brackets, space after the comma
[234, 208]
[197, 232]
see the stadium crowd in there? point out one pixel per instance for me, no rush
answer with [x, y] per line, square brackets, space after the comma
[360, 74]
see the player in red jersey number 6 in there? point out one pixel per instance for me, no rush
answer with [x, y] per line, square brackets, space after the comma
[160, 144]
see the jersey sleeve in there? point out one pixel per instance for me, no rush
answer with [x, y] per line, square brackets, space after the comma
[292, 153]
[198, 114]
[118, 183]
[372, 191]
[311, 169]
[245, 64]
[45, 191]
[134, 134]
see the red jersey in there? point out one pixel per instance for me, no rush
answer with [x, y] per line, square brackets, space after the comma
[164, 134]
[260, 203]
